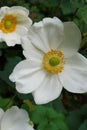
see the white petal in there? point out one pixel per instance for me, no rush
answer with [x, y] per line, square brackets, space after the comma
[54, 31]
[1, 36]
[49, 90]
[15, 119]
[14, 9]
[47, 34]
[21, 30]
[26, 75]
[4, 11]
[11, 39]
[77, 61]
[23, 20]
[74, 75]
[31, 51]
[20, 9]
[72, 39]
[1, 114]
[21, 15]
[15, 37]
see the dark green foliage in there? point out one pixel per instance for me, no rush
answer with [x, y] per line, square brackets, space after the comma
[69, 111]
[84, 125]
[47, 118]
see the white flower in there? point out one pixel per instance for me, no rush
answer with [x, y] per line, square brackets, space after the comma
[52, 61]
[14, 23]
[14, 119]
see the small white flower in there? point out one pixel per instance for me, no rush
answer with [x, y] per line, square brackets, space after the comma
[52, 61]
[14, 119]
[14, 23]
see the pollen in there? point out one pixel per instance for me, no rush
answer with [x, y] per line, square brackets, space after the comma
[8, 24]
[53, 61]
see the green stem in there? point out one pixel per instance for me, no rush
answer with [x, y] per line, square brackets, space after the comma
[9, 103]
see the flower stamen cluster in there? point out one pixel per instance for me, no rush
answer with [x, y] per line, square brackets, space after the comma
[8, 24]
[53, 61]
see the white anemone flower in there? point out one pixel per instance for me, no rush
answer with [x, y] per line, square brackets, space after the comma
[52, 61]
[14, 23]
[14, 119]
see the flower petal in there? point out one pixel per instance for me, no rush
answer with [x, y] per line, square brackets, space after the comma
[72, 39]
[54, 31]
[23, 20]
[30, 51]
[47, 34]
[49, 90]
[3, 11]
[15, 37]
[17, 9]
[26, 75]
[11, 39]
[1, 114]
[77, 61]
[15, 119]
[74, 75]
[19, 32]
[1, 36]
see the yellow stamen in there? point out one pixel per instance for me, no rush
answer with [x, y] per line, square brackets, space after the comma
[53, 61]
[0, 26]
[8, 24]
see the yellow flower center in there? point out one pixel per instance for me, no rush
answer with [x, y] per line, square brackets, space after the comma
[53, 61]
[8, 24]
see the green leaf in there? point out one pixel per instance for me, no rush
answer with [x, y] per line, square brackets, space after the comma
[38, 114]
[74, 118]
[3, 45]
[49, 119]
[5, 103]
[46, 113]
[52, 113]
[83, 111]
[67, 7]
[83, 126]
[83, 14]
[78, 4]
[53, 125]
[61, 125]
[4, 75]
[0, 52]
[47, 126]
[3, 88]
[58, 105]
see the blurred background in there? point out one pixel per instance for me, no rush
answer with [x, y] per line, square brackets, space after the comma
[69, 111]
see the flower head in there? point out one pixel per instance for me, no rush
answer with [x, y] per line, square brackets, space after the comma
[14, 23]
[14, 119]
[52, 61]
